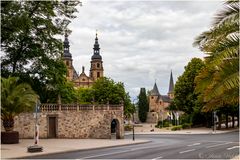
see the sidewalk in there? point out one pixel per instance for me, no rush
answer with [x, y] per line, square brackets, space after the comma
[146, 129]
[61, 145]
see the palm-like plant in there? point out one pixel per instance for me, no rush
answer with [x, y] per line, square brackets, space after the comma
[15, 98]
[219, 80]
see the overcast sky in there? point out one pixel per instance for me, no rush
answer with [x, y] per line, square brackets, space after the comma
[140, 41]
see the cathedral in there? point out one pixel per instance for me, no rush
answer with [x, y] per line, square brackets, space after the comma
[158, 103]
[96, 69]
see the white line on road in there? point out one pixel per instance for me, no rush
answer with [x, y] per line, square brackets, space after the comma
[233, 147]
[195, 144]
[106, 154]
[218, 145]
[156, 158]
[187, 151]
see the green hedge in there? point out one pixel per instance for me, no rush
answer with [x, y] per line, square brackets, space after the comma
[128, 127]
[186, 125]
[177, 128]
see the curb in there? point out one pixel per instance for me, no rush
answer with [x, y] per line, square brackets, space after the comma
[75, 150]
[175, 133]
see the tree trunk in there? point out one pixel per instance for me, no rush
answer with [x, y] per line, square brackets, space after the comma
[233, 120]
[219, 121]
[226, 123]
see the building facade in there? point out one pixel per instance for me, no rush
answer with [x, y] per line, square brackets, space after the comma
[158, 103]
[96, 69]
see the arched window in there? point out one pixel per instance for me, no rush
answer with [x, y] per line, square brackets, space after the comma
[98, 74]
[98, 65]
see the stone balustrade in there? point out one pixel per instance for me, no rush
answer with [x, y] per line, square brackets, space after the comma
[77, 107]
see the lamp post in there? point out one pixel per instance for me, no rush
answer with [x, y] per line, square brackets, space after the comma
[133, 121]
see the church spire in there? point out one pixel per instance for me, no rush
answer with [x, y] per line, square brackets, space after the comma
[171, 86]
[96, 49]
[155, 91]
[66, 46]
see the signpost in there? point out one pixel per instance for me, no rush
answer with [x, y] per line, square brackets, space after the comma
[36, 147]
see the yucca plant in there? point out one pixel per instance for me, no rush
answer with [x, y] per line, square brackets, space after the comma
[15, 98]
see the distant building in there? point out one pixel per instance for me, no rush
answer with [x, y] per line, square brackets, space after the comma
[96, 69]
[158, 103]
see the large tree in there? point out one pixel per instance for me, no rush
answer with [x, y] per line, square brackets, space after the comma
[105, 90]
[28, 40]
[143, 106]
[185, 98]
[218, 82]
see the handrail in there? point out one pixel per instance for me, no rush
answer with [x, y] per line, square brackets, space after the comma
[47, 107]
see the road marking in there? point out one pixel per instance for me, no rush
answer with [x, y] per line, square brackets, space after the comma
[233, 147]
[106, 154]
[195, 144]
[156, 158]
[187, 151]
[218, 145]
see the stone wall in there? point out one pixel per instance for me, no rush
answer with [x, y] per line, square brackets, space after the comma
[71, 124]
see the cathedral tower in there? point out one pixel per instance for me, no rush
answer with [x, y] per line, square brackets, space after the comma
[96, 70]
[67, 58]
[171, 87]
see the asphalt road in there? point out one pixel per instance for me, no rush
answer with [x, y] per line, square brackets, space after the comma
[217, 146]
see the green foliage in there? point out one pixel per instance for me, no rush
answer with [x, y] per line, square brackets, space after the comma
[164, 123]
[128, 127]
[85, 95]
[16, 98]
[185, 97]
[218, 82]
[186, 126]
[142, 105]
[175, 128]
[105, 90]
[31, 49]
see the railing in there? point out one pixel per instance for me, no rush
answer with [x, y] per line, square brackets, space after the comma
[76, 107]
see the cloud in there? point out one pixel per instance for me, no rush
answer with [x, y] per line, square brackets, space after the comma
[140, 41]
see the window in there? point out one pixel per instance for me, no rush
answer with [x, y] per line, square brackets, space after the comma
[98, 74]
[98, 65]
[152, 97]
[67, 63]
[83, 79]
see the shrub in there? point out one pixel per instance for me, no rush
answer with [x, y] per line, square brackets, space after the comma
[128, 127]
[164, 124]
[177, 128]
[186, 125]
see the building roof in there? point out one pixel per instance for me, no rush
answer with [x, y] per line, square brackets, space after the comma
[75, 75]
[165, 98]
[154, 91]
[171, 84]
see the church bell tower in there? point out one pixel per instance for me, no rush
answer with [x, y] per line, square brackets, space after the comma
[96, 70]
[67, 58]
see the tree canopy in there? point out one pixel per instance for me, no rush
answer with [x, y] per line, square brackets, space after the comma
[185, 97]
[28, 40]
